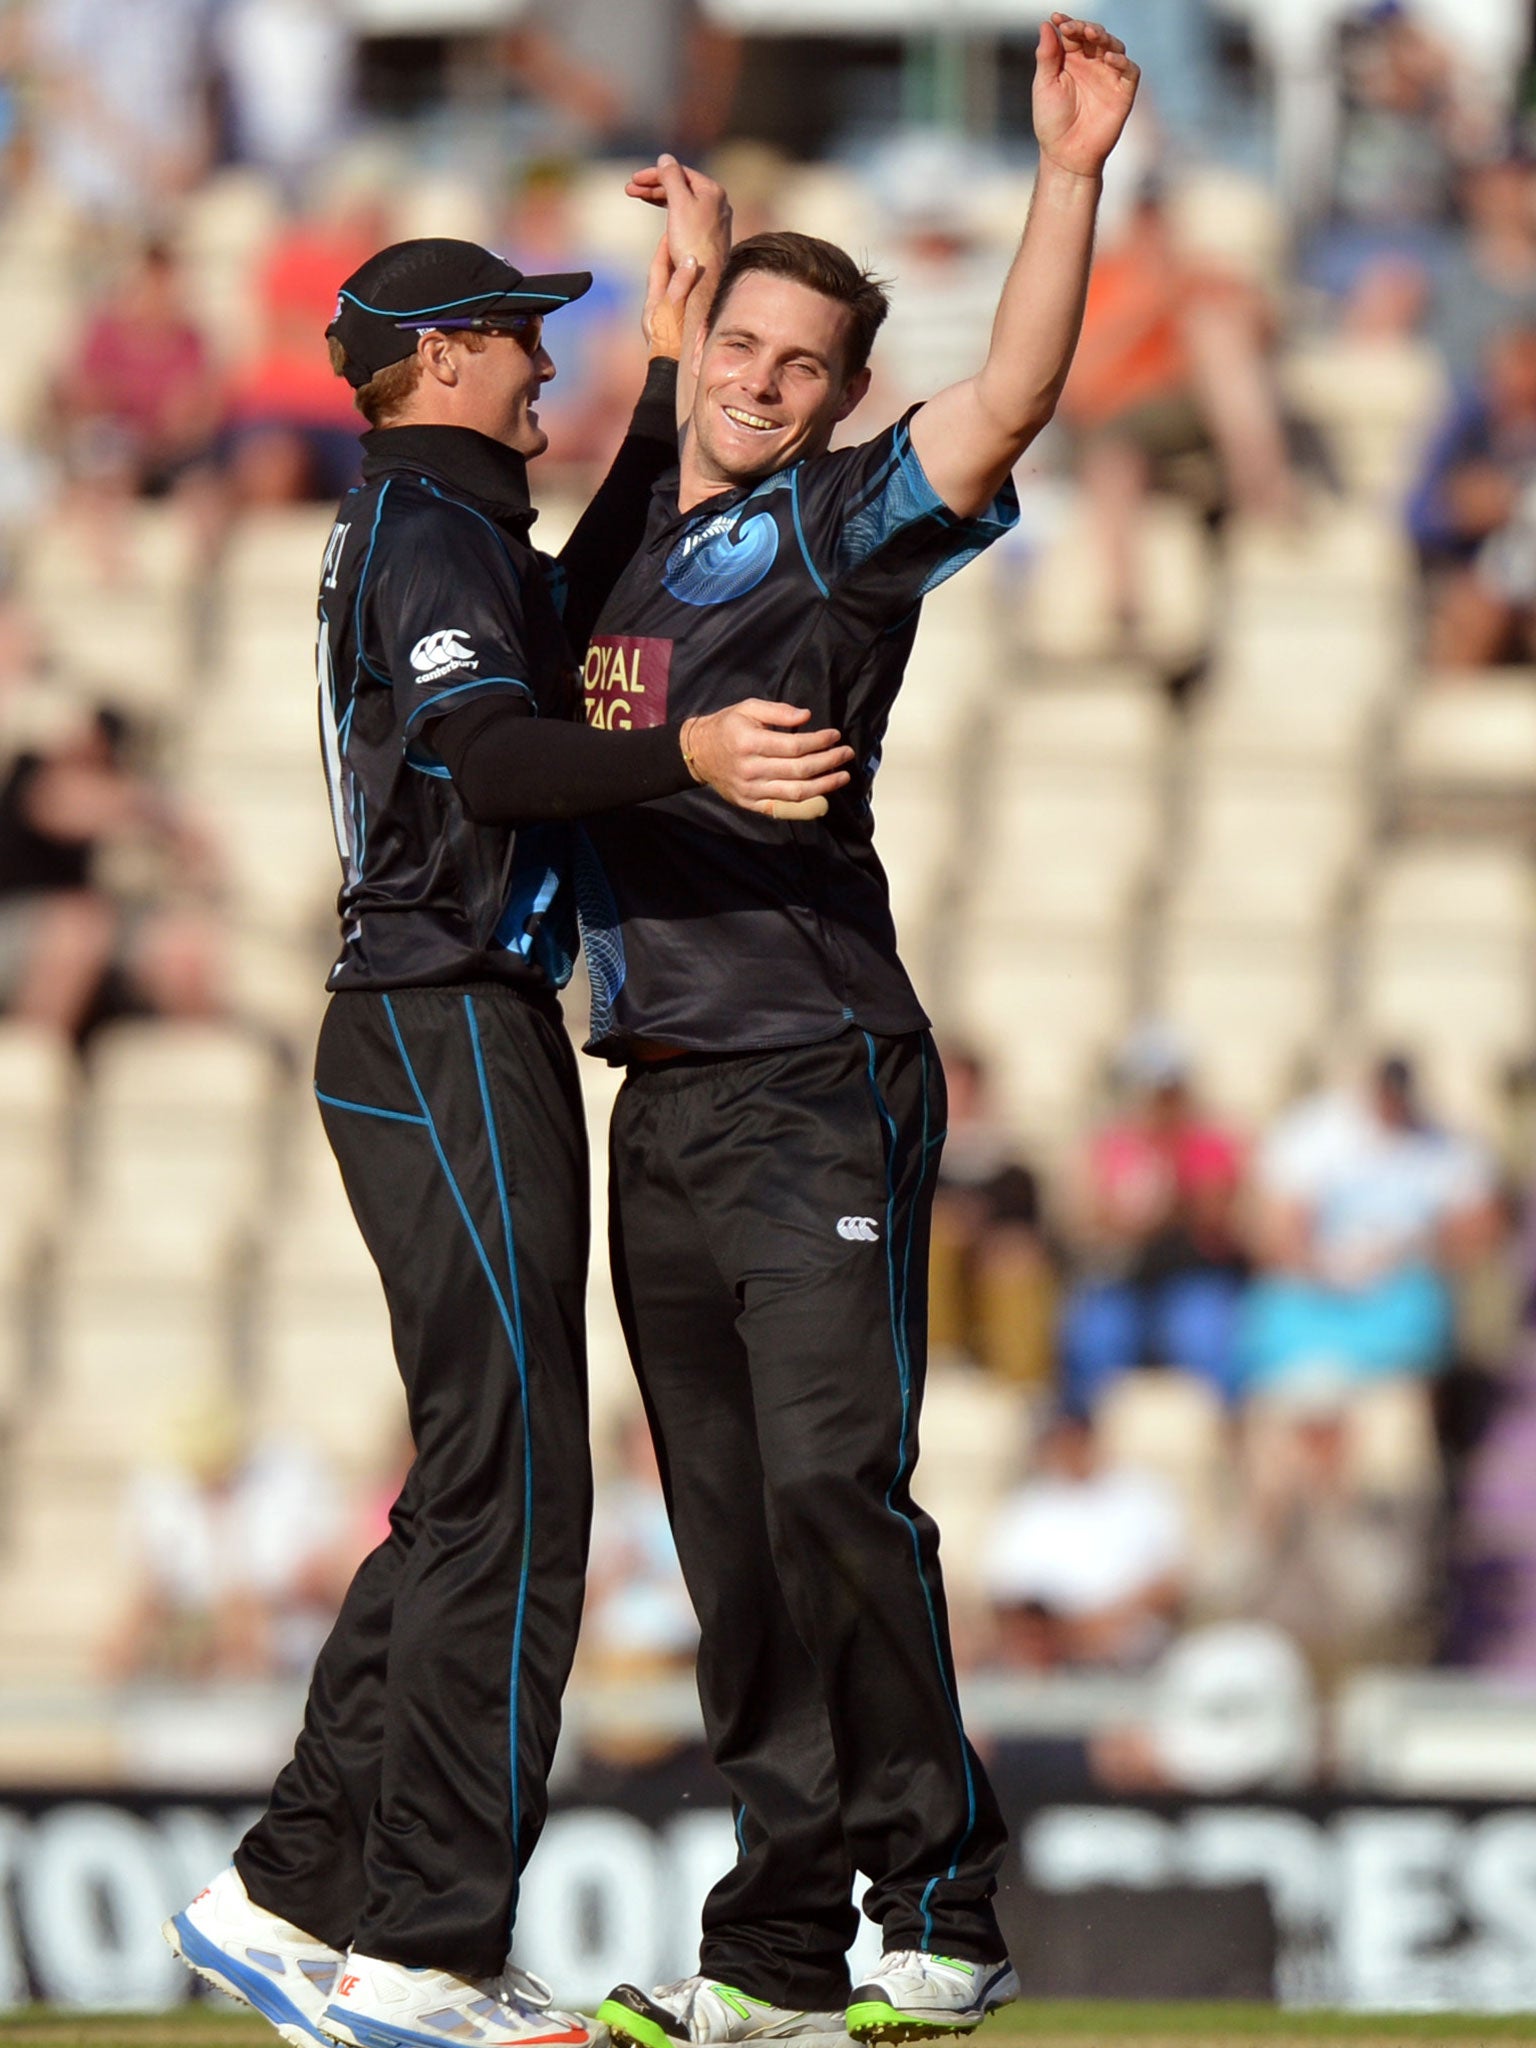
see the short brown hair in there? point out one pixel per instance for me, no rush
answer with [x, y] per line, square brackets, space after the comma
[384, 394]
[822, 267]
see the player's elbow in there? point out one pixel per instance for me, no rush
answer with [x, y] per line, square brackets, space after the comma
[1017, 414]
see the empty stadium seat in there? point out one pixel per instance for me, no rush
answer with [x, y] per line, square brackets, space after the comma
[1065, 609]
[177, 1123]
[1273, 892]
[276, 555]
[38, 1079]
[975, 1436]
[1112, 720]
[1472, 734]
[1272, 723]
[1453, 889]
[1255, 808]
[1375, 400]
[1255, 1007]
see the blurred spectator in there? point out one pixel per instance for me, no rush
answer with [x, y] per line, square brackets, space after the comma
[991, 1284]
[1321, 1544]
[233, 1544]
[292, 430]
[947, 282]
[288, 71]
[1163, 1264]
[1473, 510]
[638, 1617]
[1084, 1566]
[623, 81]
[139, 402]
[1485, 279]
[62, 935]
[123, 101]
[1368, 1210]
[1171, 387]
[1406, 116]
[638, 1622]
[1494, 1555]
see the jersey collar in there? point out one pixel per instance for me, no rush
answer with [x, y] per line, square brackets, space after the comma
[470, 462]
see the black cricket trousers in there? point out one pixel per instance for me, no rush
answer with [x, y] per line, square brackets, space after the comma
[770, 1223]
[417, 1788]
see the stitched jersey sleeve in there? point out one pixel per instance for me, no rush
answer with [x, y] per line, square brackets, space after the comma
[869, 514]
[444, 621]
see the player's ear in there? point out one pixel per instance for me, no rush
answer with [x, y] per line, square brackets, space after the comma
[853, 392]
[437, 357]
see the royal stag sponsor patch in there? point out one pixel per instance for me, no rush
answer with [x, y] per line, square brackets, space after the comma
[624, 682]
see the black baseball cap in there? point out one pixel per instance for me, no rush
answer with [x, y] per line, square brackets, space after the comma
[435, 282]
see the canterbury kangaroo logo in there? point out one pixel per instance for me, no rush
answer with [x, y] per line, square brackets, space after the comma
[859, 1229]
[446, 648]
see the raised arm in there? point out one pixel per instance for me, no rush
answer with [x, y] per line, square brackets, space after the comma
[969, 437]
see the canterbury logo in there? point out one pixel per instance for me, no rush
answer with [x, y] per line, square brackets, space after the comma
[447, 648]
[859, 1229]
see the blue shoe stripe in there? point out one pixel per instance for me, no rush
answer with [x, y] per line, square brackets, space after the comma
[272, 2003]
[380, 2034]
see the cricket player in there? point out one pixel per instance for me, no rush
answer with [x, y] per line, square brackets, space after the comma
[775, 1142]
[373, 1902]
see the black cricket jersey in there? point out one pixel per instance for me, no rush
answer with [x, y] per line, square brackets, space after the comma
[715, 929]
[432, 598]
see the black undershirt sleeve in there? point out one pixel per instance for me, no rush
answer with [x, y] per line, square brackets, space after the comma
[613, 525]
[511, 768]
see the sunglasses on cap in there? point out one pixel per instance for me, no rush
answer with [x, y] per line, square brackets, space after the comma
[526, 329]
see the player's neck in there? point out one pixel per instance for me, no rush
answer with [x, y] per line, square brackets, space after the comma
[695, 483]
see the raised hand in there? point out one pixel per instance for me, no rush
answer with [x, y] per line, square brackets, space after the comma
[666, 300]
[1085, 86]
[698, 212]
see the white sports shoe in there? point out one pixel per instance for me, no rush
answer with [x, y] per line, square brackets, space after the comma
[700, 2009]
[388, 2005]
[250, 1954]
[912, 1996]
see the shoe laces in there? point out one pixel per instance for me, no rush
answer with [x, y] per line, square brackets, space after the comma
[521, 1990]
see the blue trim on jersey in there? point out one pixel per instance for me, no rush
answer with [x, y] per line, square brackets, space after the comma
[510, 1323]
[362, 583]
[459, 504]
[524, 905]
[741, 1830]
[794, 506]
[899, 1336]
[901, 497]
[395, 1116]
[520, 1357]
[420, 312]
[430, 704]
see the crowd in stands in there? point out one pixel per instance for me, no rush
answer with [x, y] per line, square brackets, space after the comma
[1315, 1286]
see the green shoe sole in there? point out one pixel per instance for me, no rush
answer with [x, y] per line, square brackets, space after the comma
[874, 2020]
[625, 2024]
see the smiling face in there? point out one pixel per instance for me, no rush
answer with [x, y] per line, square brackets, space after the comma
[771, 383]
[500, 384]
[491, 388]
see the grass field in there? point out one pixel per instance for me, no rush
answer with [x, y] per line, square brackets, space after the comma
[1048, 2025]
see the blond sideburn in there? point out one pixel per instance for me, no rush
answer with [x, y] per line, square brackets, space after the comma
[386, 395]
